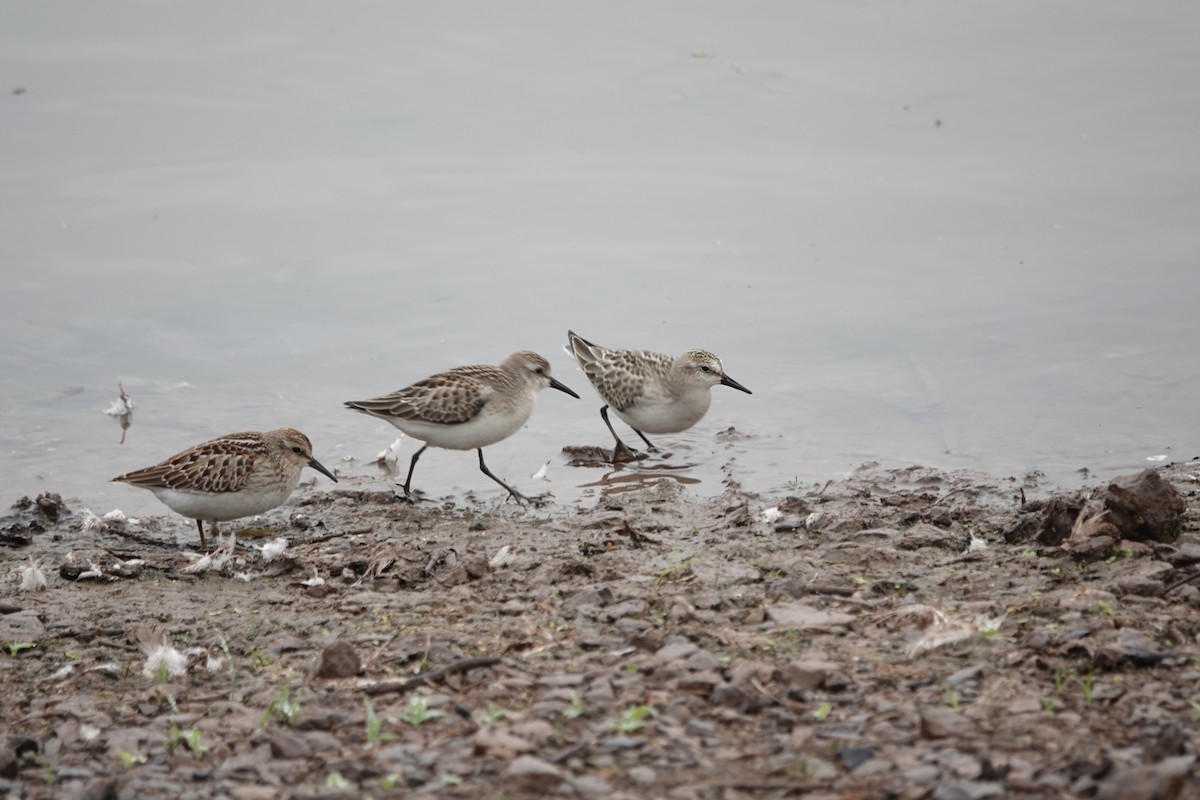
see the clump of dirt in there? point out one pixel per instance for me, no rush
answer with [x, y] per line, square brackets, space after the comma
[901, 633]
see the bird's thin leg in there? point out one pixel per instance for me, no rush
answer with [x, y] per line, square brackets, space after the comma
[200, 527]
[520, 498]
[620, 450]
[408, 481]
[649, 444]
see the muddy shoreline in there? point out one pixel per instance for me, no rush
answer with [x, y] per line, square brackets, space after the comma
[902, 633]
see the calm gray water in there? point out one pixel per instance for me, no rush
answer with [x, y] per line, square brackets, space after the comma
[962, 235]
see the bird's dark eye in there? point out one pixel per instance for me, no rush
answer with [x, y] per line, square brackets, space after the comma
[540, 371]
[705, 368]
[297, 451]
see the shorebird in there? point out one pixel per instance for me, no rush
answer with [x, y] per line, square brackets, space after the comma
[466, 408]
[232, 476]
[650, 392]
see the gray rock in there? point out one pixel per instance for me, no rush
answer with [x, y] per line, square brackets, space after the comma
[964, 675]
[801, 616]
[967, 790]
[673, 651]
[598, 596]
[22, 626]
[531, 774]
[642, 776]
[1131, 647]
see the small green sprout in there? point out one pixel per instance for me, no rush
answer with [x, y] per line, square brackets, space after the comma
[1086, 681]
[576, 709]
[374, 726]
[493, 714]
[334, 780]
[634, 718]
[418, 711]
[284, 707]
[191, 737]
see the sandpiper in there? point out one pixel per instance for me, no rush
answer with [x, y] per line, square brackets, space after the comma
[232, 476]
[650, 392]
[466, 408]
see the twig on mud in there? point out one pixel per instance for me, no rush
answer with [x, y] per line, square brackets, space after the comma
[334, 535]
[403, 685]
[374, 657]
[825, 588]
[569, 753]
[966, 558]
[779, 701]
[793, 789]
[951, 493]
[1182, 582]
[118, 645]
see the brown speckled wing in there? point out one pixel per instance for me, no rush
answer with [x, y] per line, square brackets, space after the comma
[448, 398]
[222, 465]
[620, 375]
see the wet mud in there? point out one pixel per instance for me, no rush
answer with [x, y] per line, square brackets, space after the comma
[902, 633]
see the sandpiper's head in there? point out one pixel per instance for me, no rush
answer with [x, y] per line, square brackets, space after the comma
[295, 448]
[533, 369]
[702, 368]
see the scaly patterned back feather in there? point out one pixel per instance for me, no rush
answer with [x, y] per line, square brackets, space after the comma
[220, 465]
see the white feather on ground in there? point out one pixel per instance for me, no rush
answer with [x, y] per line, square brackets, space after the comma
[32, 577]
[274, 548]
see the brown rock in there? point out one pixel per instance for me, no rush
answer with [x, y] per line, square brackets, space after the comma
[499, 742]
[286, 744]
[1140, 585]
[52, 505]
[738, 699]
[923, 535]
[99, 789]
[1087, 545]
[253, 793]
[1161, 781]
[1144, 507]
[804, 674]
[939, 722]
[338, 660]
[672, 651]
[1023, 529]
[700, 682]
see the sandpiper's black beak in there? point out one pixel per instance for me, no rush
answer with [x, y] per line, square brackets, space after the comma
[730, 382]
[554, 384]
[312, 462]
